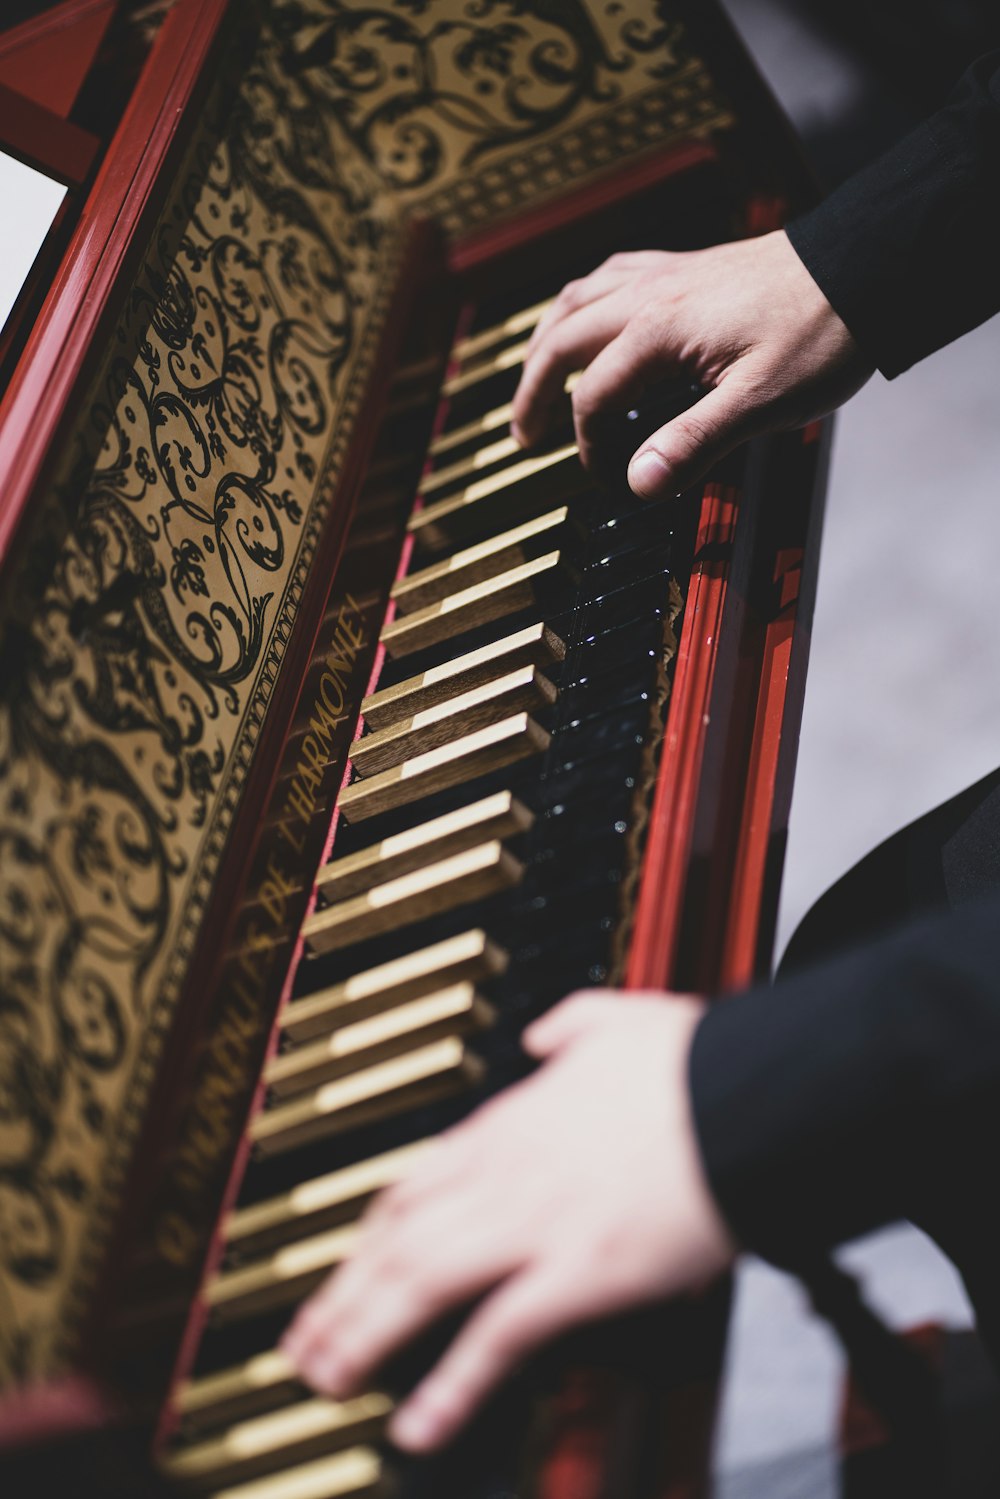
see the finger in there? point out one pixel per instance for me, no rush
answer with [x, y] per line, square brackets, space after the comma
[573, 343]
[607, 277]
[516, 1320]
[616, 379]
[682, 452]
[382, 1300]
[565, 1023]
[574, 295]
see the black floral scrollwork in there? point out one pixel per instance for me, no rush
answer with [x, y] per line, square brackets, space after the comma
[429, 87]
[125, 682]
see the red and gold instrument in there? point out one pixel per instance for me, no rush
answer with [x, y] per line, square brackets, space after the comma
[339, 736]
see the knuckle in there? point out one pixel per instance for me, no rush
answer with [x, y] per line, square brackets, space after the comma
[399, 1261]
[585, 401]
[393, 1204]
[401, 1199]
[352, 1361]
[412, 1263]
[693, 431]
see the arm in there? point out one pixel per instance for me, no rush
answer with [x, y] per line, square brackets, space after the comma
[853, 1093]
[906, 250]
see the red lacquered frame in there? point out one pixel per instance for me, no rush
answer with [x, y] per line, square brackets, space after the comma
[47, 58]
[721, 633]
[64, 153]
[92, 279]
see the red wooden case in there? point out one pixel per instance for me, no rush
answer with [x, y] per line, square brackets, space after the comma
[61, 151]
[47, 58]
[91, 281]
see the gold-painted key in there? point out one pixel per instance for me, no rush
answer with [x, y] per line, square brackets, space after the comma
[457, 1011]
[484, 560]
[526, 689]
[473, 463]
[456, 437]
[265, 1381]
[417, 1077]
[303, 1430]
[324, 1202]
[524, 587]
[285, 1276]
[485, 369]
[454, 764]
[498, 816]
[468, 956]
[449, 521]
[518, 322]
[479, 426]
[535, 645]
[346, 1475]
[471, 875]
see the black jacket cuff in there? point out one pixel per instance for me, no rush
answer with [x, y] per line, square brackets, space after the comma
[906, 250]
[834, 1102]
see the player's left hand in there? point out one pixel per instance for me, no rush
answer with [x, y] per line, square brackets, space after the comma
[576, 1194]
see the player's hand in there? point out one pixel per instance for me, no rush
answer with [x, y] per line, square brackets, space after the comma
[575, 1194]
[745, 320]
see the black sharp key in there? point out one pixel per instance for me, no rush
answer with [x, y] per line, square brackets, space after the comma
[618, 434]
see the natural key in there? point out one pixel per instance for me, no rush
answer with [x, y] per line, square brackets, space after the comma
[466, 956]
[286, 1275]
[526, 689]
[520, 587]
[498, 816]
[458, 1011]
[518, 322]
[535, 645]
[454, 764]
[305, 1429]
[523, 485]
[506, 359]
[471, 875]
[322, 1202]
[483, 560]
[417, 1077]
[263, 1382]
[482, 457]
[354, 1474]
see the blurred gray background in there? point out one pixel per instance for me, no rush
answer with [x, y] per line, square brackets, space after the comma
[903, 701]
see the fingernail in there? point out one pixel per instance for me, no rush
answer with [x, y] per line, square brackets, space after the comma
[517, 432]
[414, 1426]
[648, 474]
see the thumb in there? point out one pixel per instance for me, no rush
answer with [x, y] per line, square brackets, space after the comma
[685, 449]
[564, 1024]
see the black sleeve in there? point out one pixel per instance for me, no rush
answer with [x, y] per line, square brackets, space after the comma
[907, 250]
[855, 1093]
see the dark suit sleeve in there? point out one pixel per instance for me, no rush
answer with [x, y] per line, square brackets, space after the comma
[857, 1092]
[908, 250]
